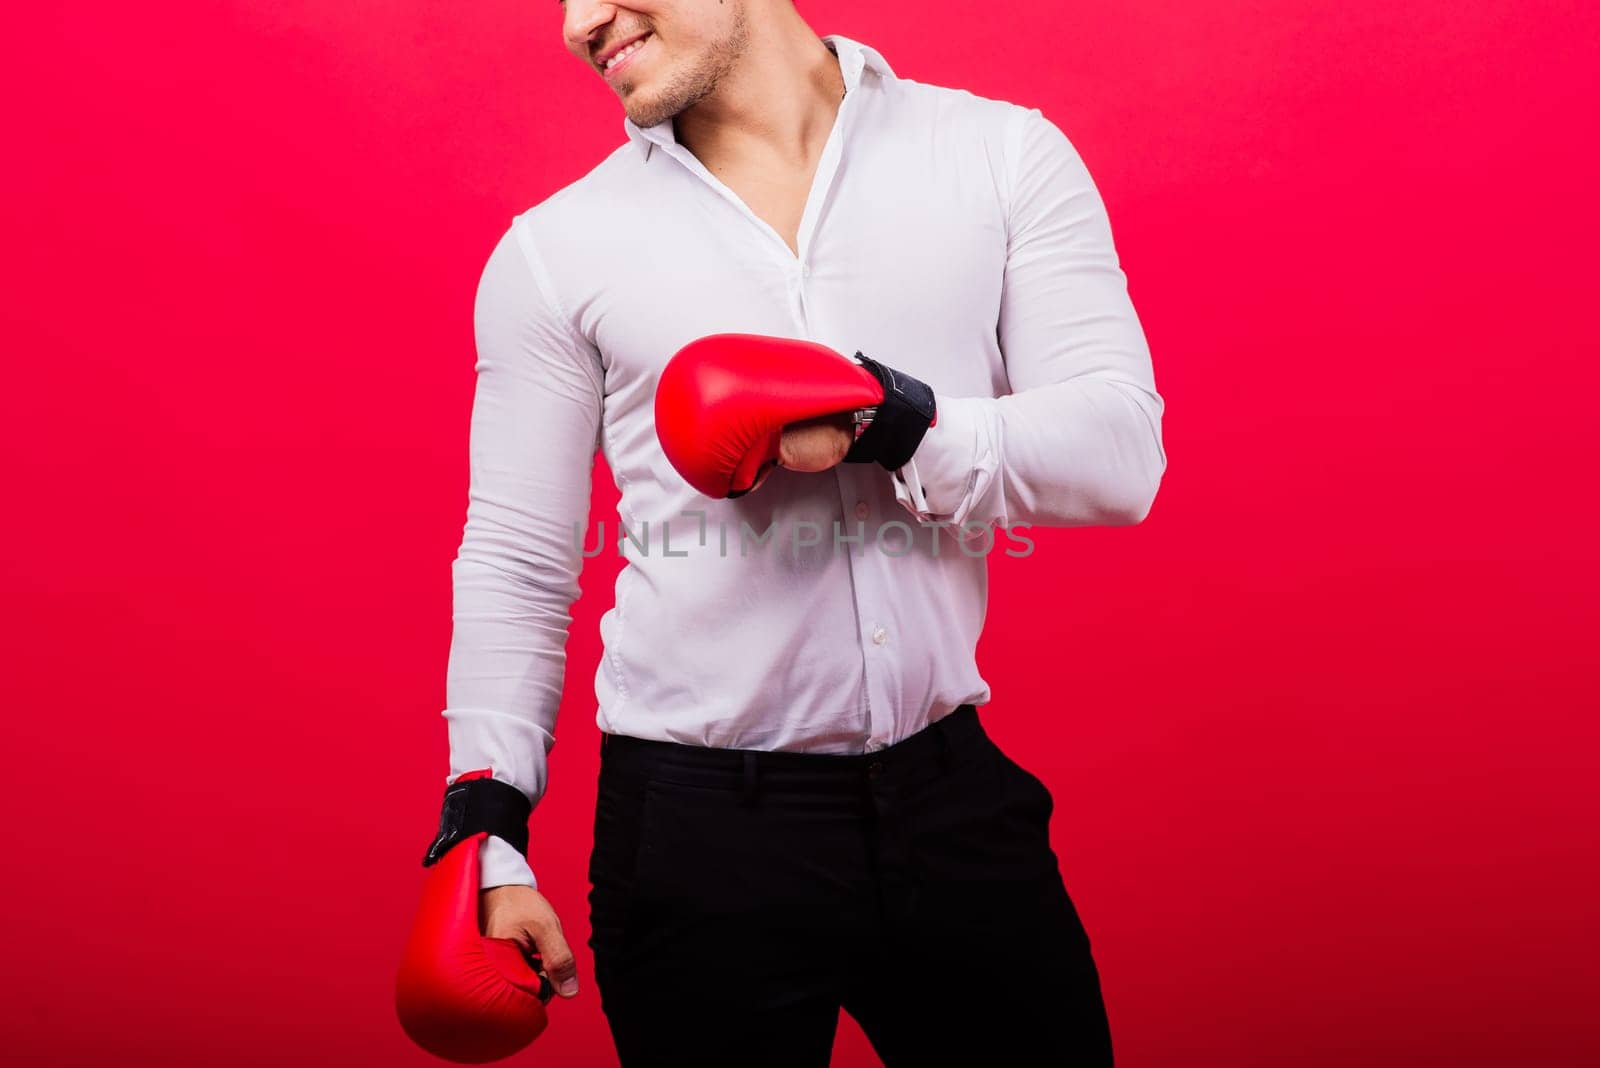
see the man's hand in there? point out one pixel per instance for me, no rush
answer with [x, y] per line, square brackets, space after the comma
[817, 444]
[522, 914]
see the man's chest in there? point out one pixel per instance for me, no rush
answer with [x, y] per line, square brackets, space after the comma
[900, 257]
[777, 200]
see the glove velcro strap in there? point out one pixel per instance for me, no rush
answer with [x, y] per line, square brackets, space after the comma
[477, 805]
[903, 417]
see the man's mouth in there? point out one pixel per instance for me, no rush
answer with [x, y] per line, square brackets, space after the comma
[619, 59]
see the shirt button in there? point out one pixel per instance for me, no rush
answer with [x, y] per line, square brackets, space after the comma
[862, 510]
[805, 270]
[879, 636]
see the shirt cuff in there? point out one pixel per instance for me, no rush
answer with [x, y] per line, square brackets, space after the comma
[952, 467]
[502, 865]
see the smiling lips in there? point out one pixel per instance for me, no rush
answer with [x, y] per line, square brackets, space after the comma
[619, 59]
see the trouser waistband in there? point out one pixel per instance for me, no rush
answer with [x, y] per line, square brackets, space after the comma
[936, 748]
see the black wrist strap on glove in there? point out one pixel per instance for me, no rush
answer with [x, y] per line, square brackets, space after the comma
[481, 805]
[903, 417]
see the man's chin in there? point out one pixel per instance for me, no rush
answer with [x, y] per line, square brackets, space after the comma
[646, 117]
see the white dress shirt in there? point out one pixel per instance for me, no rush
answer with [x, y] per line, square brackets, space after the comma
[956, 238]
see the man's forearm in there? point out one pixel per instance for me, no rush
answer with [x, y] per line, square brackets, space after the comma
[1085, 452]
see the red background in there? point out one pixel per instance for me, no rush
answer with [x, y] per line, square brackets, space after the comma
[1321, 731]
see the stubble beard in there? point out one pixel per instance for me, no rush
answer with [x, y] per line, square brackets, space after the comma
[688, 87]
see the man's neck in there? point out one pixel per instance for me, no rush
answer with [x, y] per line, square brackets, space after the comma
[776, 110]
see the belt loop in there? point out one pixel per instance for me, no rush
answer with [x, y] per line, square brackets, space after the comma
[748, 796]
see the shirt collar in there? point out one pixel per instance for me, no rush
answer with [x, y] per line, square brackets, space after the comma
[854, 57]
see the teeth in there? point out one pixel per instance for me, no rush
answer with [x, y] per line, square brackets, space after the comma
[625, 53]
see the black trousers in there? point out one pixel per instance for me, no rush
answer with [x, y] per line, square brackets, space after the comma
[741, 899]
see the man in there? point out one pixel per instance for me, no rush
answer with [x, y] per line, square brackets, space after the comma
[798, 809]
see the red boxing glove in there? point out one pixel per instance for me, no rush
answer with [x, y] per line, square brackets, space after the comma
[723, 400]
[459, 995]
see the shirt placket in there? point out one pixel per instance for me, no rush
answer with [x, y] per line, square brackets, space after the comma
[796, 266]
